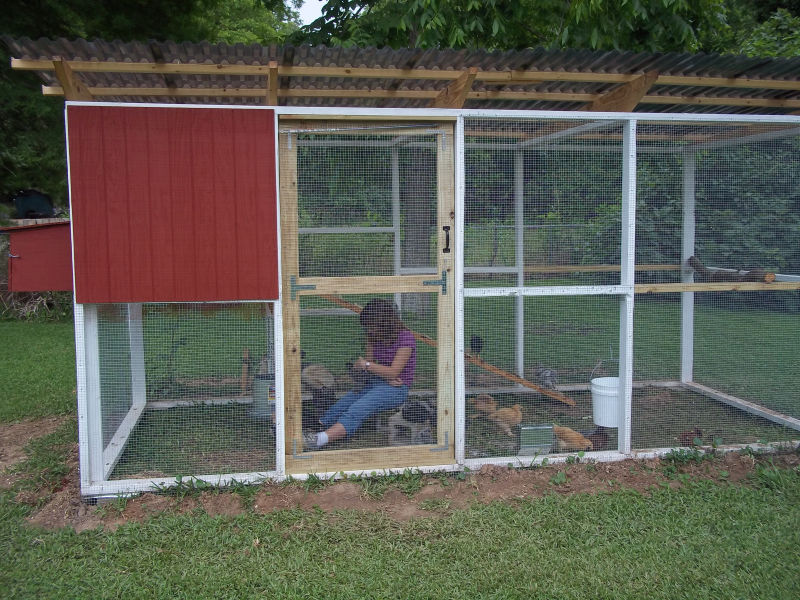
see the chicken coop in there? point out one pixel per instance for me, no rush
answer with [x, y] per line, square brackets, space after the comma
[608, 282]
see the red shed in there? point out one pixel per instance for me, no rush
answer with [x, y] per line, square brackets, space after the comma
[39, 257]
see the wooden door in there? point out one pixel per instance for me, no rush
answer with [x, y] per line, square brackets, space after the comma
[367, 210]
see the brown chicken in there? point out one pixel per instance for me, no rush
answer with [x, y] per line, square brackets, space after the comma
[569, 440]
[484, 403]
[507, 418]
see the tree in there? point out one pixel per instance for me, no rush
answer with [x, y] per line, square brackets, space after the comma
[651, 25]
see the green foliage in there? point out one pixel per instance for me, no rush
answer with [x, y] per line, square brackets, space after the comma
[663, 25]
[777, 36]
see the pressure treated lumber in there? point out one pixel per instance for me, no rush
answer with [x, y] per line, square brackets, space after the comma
[475, 360]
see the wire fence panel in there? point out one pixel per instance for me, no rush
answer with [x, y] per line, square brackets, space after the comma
[209, 372]
[397, 414]
[717, 210]
[566, 343]
[367, 198]
[543, 197]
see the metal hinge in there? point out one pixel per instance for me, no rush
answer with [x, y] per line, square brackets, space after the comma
[296, 287]
[442, 282]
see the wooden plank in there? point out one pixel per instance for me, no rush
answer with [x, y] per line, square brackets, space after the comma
[366, 459]
[234, 92]
[290, 266]
[446, 308]
[455, 94]
[664, 288]
[625, 97]
[71, 85]
[365, 285]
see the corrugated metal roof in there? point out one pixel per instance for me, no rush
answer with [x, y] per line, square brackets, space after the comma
[576, 76]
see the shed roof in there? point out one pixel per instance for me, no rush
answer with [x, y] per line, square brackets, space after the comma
[308, 76]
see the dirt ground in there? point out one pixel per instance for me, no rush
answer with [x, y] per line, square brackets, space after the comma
[438, 495]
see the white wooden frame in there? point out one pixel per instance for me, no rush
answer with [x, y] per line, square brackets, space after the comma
[97, 462]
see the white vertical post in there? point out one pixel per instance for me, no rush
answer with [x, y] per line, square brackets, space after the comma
[398, 256]
[519, 248]
[136, 339]
[280, 432]
[687, 273]
[92, 408]
[628, 260]
[458, 284]
[84, 459]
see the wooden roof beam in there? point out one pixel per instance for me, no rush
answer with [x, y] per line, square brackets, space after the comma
[71, 86]
[625, 97]
[505, 77]
[415, 94]
[455, 94]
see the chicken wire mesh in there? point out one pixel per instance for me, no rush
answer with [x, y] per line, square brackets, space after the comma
[543, 201]
[367, 198]
[713, 209]
[563, 344]
[205, 373]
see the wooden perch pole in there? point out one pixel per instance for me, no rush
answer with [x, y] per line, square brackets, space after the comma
[556, 395]
[715, 274]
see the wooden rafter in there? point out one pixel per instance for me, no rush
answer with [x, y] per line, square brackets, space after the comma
[272, 84]
[455, 94]
[625, 97]
[71, 86]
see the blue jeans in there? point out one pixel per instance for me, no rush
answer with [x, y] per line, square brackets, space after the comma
[355, 407]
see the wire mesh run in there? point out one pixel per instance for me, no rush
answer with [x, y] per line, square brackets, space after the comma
[204, 375]
[543, 201]
[530, 375]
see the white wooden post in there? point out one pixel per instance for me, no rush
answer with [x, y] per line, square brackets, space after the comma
[136, 337]
[458, 280]
[687, 273]
[519, 230]
[90, 414]
[627, 281]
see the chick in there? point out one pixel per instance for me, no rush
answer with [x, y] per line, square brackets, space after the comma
[689, 438]
[507, 418]
[484, 403]
[547, 378]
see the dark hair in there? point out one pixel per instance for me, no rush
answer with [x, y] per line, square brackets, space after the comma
[380, 320]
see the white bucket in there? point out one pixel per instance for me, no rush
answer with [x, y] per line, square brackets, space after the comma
[605, 403]
[263, 397]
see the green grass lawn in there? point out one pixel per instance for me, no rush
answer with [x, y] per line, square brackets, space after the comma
[703, 540]
[37, 369]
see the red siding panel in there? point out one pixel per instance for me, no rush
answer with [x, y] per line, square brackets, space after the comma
[40, 259]
[173, 204]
